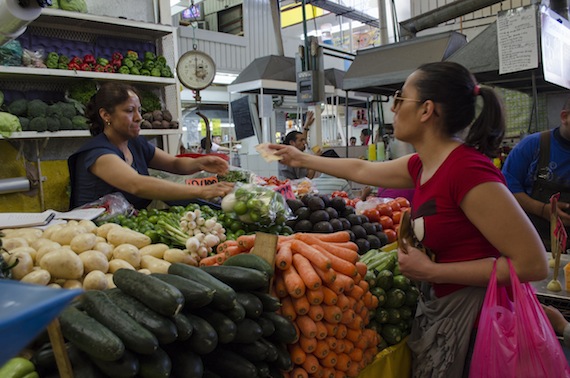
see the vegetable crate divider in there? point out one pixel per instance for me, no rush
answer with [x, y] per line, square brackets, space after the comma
[59, 350]
[265, 246]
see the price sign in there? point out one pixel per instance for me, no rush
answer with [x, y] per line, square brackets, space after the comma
[202, 181]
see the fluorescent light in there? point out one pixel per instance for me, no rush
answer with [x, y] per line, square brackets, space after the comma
[224, 78]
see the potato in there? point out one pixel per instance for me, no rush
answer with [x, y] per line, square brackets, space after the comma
[104, 229]
[95, 280]
[72, 284]
[24, 266]
[94, 260]
[129, 253]
[38, 277]
[47, 247]
[63, 263]
[105, 248]
[29, 234]
[29, 250]
[144, 271]
[117, 264]
[156, 250]
[177, 255]
[154, 265]
[123, 235]
[16, 242]
[48, 232]
[54, 285]
[65, 234]
[37, 244]
[83, 242]
[110, 282]
[90, 226]
[101, 239]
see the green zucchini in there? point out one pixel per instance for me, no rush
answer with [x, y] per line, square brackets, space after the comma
[285, 331]
[251, 303]
[162, 327]
[271, 349]
[183, 325]
[156, 365]
[229, 364]
[266, 325]
[126, 366]
[236, 313]
[195, 294]
[156, 294]
[249, 260]
[248, 331]
[204, 339]
[270, 303]
[224, 296]
[224, 326]
[185, 364]
[238, 277]
[90, 336]
[135, 337]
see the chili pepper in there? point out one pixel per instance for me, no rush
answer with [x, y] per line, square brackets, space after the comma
[148, 64]
[133, 55]
[89, 59]
[155, 72]
[86, 67]
[63, 59]
[76, 60]
[117, 56]
[102, 61]
[74, 66]
[128, 62]
[149, 55]
[145, 72]
[124, 70]
[138, 64]
[52, 56]
[134, 71]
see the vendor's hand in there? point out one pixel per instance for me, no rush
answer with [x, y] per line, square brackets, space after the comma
[309, 119]
[556, 319]
[290, 155]
[563, 212]
[219, 189]
[414, 263]
[213, 164]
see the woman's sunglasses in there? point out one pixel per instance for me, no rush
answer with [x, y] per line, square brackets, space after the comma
[398, 99]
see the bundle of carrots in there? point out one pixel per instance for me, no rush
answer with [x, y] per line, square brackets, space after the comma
[319, 281]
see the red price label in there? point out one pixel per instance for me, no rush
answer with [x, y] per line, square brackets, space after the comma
[285, 190]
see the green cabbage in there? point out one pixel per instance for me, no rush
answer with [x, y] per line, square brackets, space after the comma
[9, 123]
[73, 5]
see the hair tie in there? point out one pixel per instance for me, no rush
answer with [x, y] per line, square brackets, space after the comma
[476, 90]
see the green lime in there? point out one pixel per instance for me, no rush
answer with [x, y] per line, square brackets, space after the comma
[254, 204]
[240, 208]
[235, 226]
[239, 233]
[254, 216]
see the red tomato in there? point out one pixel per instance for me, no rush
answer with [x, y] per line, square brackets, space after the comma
[403, 201]
[372, 214]
[386, 222]
[396, 216]
[384, 209]
[394, 205]
[391, 234]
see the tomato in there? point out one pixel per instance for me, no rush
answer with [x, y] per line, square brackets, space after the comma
[394, 205]
[402, 201]
[384, 209]
[391, 234]
[372, 214]
[386, 222]
[396, 216]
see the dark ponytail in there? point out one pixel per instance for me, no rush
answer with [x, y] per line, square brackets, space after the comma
[453, 87]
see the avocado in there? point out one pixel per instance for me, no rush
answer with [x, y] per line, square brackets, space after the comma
[336, 224]
[348, 210]
[363, 245]
[305, 199]
[382, 237]
[302, 213]
[374, 241]
[319, 216]
[369, 227]
[333, 214]
[326, 199]
[303, 226]
[338, 204]
[378, 226]
[294, 204]
[323, 227]
[351, 234]
[354, 219]
[359, 231]
[363, 218]
[316, 203]
[291, 223]
[345, 223]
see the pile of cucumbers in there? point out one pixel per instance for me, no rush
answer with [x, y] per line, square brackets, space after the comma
[216, 321]
[397, 297]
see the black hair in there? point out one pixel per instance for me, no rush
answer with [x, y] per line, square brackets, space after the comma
[291, 137]
[455, 88]
[366, 132]
[108, 96]
[330, 154]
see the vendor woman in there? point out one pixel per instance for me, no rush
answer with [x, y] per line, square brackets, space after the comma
[117, 158]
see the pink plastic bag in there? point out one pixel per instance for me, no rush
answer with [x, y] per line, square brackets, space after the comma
[515, 338]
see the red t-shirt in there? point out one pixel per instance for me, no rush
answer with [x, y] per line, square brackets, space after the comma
[438, 220]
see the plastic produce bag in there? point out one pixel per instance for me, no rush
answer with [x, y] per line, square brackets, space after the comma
[256, 204]
[515, 338]
[114, 204]
[11, 54]
[73, 5]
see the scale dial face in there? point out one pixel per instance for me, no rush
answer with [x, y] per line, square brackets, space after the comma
[196, 69]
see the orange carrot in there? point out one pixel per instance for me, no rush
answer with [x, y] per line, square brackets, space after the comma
[337, 286]
[279, 285]
[297, 332]
[307, 326]
[293, 282]
[318, 374]
[297, 353]
[316, 312]
[364, 315]
[347, 282]
[306, 271]
[332, 314]
[355, 354]
[358, 305]
[301, 305]
[315, 297]
[341, 374]
[313, 255]
[342, 331]
[353, 335]
[288, 309]
[330, 360]
[357, 323]
[311, 364]
[322, 331]
[328, 373]
[343, 362]
[357, 278]
[353, 370]
[361, 268]
[330, 297]
[367, 299]
[334, 237]
[332, 329]
[233, 250]
[343, 302]
[348, 346]
[322, 349]
[308, 344]
[284, 255]
[348, 245]
[208, 261]
[338, 264]
[299, 372]
[347, 316]
[333, 248]
[246, 242]
[352, 302]
[327, 276]
[340, 345]
[364, 285]
[332, 342]
[356, 291]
